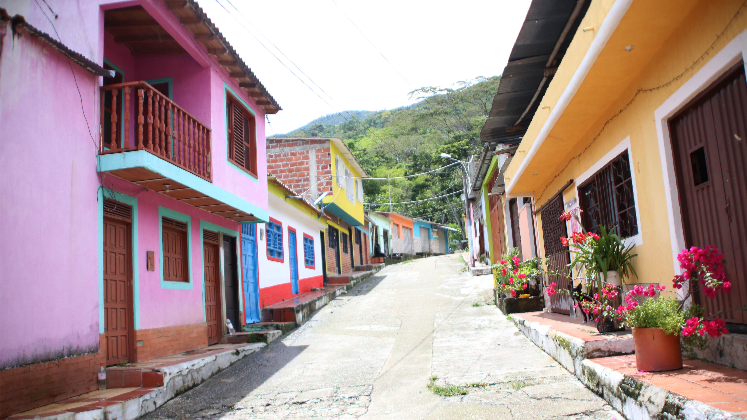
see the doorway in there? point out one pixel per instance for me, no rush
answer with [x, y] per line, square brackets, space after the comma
[293, 259]
[251, 277]
[118, 312]
[425, 242]
[231, 281]
[557, 255]
[324, 258]
[709, 154]
[212, 287]
[335, 244]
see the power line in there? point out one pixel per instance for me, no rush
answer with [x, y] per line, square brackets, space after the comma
[416, 201]
[413, 176]
[372, 44]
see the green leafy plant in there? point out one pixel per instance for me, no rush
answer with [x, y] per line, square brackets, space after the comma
[657, 312]
[513, 276]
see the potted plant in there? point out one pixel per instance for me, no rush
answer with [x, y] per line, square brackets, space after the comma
[517, 279]
[658, 322]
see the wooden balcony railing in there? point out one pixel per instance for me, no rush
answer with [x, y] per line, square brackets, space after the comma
[160, 127]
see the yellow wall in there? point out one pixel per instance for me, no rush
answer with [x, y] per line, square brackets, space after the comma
[668, 37]
[338, 196]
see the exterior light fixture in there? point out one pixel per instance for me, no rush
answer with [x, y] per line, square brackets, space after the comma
[629, 48]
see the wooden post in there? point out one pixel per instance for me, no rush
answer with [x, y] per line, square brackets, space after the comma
[208, 163]
[139, 118]
[149, 119]
[114, 119]
[127, 114]
[168, 132]
[157, 125]
[161, 107]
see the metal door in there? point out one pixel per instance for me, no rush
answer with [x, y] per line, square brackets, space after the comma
[557, 255]
[118, 318]
[407, 239]
[709, 144]
[293, 260]
[212, 292]
[251, 275]
[425, 242]
[334, 243]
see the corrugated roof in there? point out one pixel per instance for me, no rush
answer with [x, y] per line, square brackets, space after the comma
[19, 22]
[542, 42]
[272, 179]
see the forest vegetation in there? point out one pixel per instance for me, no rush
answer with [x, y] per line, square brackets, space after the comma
[409, 140]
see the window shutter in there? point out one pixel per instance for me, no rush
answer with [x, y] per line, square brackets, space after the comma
[238, 136]
[340, 169]
[350, 185]
[360, 190]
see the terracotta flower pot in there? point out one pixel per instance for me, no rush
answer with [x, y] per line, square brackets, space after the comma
[656, 351]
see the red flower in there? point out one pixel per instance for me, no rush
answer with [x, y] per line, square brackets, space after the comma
[513, 293]
[579, 238]
[522, 276]
[504, 262]
[564, 240]
[594, 235]
[517, 261]
[511, 280]
[551, 289]
[504, 271]
[525, 286]
[566, 216]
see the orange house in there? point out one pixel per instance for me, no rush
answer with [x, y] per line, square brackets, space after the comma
[402, 236]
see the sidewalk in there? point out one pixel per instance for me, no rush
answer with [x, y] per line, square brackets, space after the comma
[479, 269]
[139, 388]
[605, 363]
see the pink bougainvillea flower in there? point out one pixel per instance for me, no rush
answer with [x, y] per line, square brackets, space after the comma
[516, 260]
[522, 276]
[525, 286]
[513, 293]
[504, 262]
[551, 289]
[511, 280]
[504, 271]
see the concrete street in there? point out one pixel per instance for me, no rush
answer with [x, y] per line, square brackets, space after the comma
[370, 354]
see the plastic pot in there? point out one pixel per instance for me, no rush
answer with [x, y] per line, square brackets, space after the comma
[656, 351]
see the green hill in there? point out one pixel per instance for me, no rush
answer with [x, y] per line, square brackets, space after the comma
[409, 140]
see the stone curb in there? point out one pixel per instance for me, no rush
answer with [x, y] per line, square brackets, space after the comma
[632, 398]
[636, 399]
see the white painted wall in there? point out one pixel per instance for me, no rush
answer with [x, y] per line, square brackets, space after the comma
[272, 273]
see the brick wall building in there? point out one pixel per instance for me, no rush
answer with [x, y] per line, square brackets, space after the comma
[304, 165]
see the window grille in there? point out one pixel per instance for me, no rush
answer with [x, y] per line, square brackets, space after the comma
[344, 243]
[607, 199]
[274, 241]
[308, 251]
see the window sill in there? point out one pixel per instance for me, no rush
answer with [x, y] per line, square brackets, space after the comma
[244, 171]
[276, 259]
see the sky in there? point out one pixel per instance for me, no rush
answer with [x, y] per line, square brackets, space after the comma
[325, 56]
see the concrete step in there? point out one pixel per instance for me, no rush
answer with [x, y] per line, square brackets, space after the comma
[283, 327]
[261, 336]
[302, 306]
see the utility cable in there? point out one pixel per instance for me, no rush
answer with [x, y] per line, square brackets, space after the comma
[416, 201]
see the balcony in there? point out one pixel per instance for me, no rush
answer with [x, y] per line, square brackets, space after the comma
[159, 126]
[150, 141]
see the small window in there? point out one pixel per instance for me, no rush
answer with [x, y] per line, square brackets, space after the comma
[360, 190]
[607, 199]
[699, 166]
[340, 172]
[275, 240]
[242, 142]
[357, 236]
[308, 251]
[332, 240]
[349, 185]
[174, 250]
[344, 243]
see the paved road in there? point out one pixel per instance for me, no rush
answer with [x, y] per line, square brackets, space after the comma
[371, 353]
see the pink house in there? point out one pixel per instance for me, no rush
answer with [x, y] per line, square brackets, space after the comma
[133, 157]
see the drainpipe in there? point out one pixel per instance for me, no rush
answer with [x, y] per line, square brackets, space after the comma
[606, 30]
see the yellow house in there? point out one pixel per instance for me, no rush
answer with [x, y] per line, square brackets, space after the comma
[644, 127]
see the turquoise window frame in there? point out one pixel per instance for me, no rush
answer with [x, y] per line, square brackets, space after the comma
[226, 90]
[232, 233]
[132, 202]
[169, 80]
[173, 214]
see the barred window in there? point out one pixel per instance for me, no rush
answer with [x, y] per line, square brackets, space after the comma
[344, 243]
[607, 199]
[308, 251]
[274, 240]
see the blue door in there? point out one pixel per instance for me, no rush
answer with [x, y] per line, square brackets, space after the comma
[293, 260]
[250, 277]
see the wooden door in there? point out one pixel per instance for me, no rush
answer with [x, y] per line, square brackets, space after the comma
[709, 144]
[513, 209]
[118, 315]
[497, 227]
[231, 281]
[251, 272]
[212, 292]
[425, 243]
[557, 255]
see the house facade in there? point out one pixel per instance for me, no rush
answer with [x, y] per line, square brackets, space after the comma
[430, 238]
[643, 132]
[289, 247]
[402, 234]
[324, 171]
[381, 232]
[140, 168]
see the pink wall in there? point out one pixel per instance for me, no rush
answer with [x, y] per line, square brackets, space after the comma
[167, 307]
[49, 289]
[49, 253]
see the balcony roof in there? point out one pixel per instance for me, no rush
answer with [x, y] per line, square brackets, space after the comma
[190, 14]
